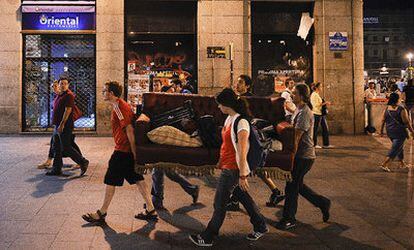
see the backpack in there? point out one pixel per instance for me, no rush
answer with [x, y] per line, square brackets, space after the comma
[209, 132]
[259, 146]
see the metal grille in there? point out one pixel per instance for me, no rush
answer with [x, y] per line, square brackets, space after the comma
[46, 58]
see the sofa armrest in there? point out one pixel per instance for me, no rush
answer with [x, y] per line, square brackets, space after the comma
[287, 135]
[141, 130]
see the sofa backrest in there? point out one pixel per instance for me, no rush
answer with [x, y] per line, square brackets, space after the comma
[267, 108]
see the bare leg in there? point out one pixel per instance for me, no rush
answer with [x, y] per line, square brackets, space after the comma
[268, 181]
[45, 164]
[109, 194]
[384, 165]
[146, 195]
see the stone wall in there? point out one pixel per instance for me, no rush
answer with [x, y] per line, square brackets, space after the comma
[10, 66]
[109, 55]
[342, 77]
[219, 23]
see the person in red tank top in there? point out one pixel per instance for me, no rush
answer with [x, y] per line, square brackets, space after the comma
[122, 162]
[235, 169]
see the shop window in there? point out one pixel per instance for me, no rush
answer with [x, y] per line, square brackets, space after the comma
[277, 51]
[161, 44]
[48, 57]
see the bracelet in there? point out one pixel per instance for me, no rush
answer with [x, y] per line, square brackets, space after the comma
[243, 177]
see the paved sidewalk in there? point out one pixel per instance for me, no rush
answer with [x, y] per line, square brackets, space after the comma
[370, 209]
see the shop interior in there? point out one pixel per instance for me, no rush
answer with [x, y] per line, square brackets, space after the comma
[161, 44]
[277, 51]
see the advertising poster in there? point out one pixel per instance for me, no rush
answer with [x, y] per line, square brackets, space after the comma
[138, 84]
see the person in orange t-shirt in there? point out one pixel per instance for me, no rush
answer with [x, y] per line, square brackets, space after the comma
[122, 162]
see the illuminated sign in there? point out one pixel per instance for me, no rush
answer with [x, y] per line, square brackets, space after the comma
[75, 18]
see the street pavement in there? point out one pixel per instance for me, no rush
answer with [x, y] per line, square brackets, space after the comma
[370, 209]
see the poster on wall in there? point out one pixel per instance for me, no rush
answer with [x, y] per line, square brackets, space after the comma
[138, 84]
[338, 41]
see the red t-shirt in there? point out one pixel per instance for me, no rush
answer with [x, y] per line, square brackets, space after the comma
[227, 151]
[121, 117]
[65, 99]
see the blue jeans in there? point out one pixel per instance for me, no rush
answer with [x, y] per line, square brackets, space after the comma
[397, 149]
[157, 189]
[228, 184]
[321, 119]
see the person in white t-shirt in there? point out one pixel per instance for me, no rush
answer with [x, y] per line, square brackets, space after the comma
[370, 93]
[287, 94]
[235, 171]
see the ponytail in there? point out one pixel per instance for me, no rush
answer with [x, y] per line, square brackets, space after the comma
[304, 92]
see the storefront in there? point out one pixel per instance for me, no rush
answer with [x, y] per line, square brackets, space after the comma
[139, 42]
[58, 40]
[277, 50]
[160, 44]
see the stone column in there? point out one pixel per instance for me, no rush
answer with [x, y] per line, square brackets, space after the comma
[109, 55]
[219, 23]
[341, 73]
[10, 67]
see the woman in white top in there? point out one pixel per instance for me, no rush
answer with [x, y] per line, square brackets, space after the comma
[320, 116]
[235, 170]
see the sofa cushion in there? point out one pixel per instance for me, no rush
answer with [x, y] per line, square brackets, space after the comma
[169, 135]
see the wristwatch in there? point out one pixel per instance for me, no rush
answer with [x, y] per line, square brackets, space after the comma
[243, 177]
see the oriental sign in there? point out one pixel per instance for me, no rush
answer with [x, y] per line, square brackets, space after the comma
[58, 18]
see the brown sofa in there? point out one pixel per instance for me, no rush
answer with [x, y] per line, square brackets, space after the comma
[201, 160]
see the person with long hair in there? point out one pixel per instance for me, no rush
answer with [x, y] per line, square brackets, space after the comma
[319, 105]
[302, 121]
[396, 121]
[244, 88]
[235, 170]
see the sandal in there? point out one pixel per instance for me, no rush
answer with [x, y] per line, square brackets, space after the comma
[44, 165]
[147, 215]
[386, 169]
[89, 217]
[404, 165]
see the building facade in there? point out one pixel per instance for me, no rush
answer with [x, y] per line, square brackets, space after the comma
[166, 37]
[388, 38]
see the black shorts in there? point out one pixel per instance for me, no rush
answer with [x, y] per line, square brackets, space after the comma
[121, 166]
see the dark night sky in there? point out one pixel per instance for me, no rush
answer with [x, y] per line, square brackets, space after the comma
[388, 4]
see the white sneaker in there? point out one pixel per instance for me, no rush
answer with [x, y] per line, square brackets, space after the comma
[328, 147]
[318, 147]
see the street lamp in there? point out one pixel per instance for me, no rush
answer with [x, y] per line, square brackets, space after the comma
[410, 66]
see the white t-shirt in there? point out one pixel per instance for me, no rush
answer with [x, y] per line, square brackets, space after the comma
[370, 93]
[243, 125]
[288, 99]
